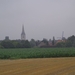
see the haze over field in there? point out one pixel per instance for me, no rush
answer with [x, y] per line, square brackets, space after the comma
[41, 18]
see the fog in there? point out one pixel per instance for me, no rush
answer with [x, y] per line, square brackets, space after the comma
[41, 18]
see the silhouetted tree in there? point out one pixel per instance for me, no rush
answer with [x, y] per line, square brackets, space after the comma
[7, 44]
[27, 44]
[70, 41]
[61, 44]
[53, 41]
[33, 43]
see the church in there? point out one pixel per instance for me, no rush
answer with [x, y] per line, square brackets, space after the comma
[23, 35]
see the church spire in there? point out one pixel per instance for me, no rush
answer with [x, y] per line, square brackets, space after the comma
[23, 36]
[23, 29]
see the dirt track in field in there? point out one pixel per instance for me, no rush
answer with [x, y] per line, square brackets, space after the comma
[44, 66]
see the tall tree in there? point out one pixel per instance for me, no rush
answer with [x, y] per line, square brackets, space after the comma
[71, 41]
[53, 41]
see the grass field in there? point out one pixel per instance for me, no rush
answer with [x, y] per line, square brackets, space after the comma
[36, 53]
[39, 66]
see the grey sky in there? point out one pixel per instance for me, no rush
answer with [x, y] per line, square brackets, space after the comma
[41, 18]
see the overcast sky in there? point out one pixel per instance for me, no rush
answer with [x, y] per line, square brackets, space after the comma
[41, 18]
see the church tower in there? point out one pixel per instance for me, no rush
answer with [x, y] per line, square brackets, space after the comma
[23, 36]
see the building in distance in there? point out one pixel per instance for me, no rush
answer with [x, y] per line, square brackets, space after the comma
[23, 35]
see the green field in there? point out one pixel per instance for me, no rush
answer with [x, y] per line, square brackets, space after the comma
[36, 53]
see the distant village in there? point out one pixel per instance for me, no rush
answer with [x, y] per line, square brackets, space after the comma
[23, 43]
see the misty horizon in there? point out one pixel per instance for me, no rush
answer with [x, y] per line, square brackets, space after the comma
[41, 18]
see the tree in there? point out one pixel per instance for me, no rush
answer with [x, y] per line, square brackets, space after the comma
[15, 44]
[53, 41]
[61, 44]
[71, 41]
[33, 43]
[7, 44]
[27, 44]
[68, 43]
[19, 45]
[45, 41]
[38, 42]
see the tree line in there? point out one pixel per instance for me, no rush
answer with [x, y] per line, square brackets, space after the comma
[69, 42]
[15, 44]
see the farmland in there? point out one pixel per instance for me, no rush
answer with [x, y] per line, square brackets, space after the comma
[36, 53]
[39, 66]
[46, 61]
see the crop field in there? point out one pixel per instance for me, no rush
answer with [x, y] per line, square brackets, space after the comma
[36, 53]
[39, 66]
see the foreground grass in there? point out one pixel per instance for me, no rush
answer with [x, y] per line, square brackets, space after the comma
[45, 66]
[36, 53]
